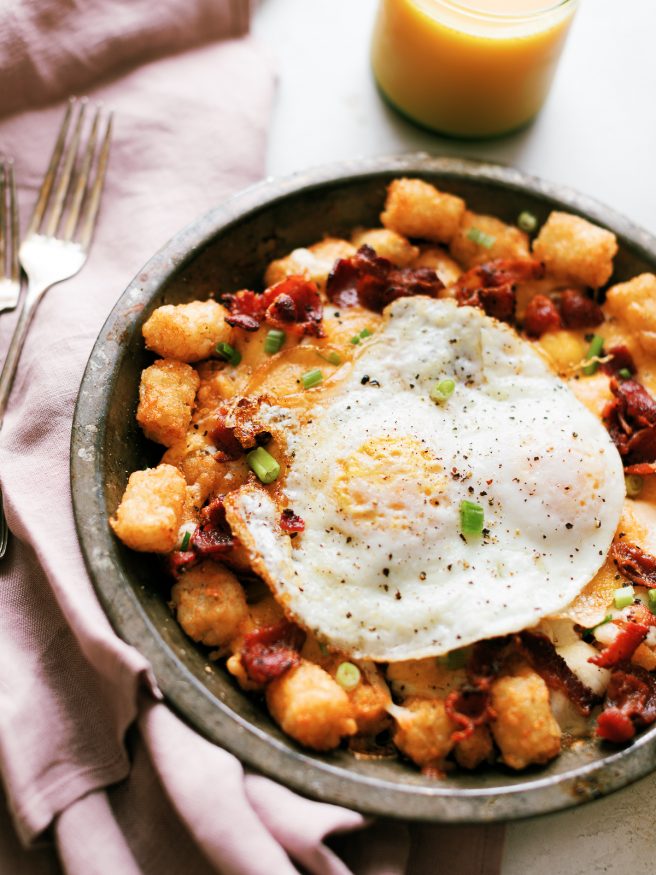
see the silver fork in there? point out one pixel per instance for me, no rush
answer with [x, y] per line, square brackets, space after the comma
[57, 241]
[10, 278]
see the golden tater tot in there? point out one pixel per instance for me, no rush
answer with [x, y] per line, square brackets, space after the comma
[483, 238]
[525, 729]
[415, 208]
[634, 303]
[477, 749]
[423, 730]
[210, 604]
[313, 263]
[575, 250]
[388, 244]
[166, 397]
[187, 332]
[151, 510]
[311, 707]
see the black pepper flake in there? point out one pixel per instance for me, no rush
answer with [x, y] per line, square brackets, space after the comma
[397, 595]
[422, 575]
[569, 525]
[365, 380]
[386, 572]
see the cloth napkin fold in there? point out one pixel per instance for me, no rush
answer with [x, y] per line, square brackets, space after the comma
[87, 747]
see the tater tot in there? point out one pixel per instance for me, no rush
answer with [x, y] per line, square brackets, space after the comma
[634, 303]
[311, 707]
[423, 730]
[314, 263]
[151, 510]
[477, 749]
[415, 208]
[210, 604]
[525, 729]
[187, 332]
[575, 250]
[501, 240]
[166, 397]
[388, 244]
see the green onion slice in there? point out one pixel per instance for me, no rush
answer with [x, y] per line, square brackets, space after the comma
[651, 600]
[361, 336]
[312, 378]
[263, 465]
[625, 373]
[472, 518]
[481, 238]
[274, 341]
[185, 541]
[442, 390]
[623, 597]
[527, 221]
[333, 358]
[228, 353]
[634, 484]
[594, 351]
[347, 676]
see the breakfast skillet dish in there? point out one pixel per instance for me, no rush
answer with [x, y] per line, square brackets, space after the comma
[407, 491]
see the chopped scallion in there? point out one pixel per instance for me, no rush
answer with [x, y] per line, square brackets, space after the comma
[333, 358]
[311, 378]
[624, 373]
[481, 238]
[442, 390]
[623, 597]
[634, 484]
[594, 351]
[185, 541]
[274, 341]
[347, 676]
[361, 336]
[263, 465]
[228, 353]
[471, 518]
[651, 600]
[527, 221]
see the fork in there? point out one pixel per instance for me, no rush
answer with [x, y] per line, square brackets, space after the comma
[9, 269]
[57, 241]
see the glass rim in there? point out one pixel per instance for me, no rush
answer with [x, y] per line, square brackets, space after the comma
[462, 7]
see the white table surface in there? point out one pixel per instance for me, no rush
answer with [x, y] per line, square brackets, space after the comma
[597, 133]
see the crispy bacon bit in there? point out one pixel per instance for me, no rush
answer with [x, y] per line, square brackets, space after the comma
[291, 522]
[491, 286]
[213, 536]
[631, 422]
[270, 651]
[621, 360]
[292, 304]
[374, 282]
[468, 708]
[577, 310]
[632, 633]
[541, 316]
[555, 672]
[179, 561]
[223, 437]
[634, 563]
[630, 704]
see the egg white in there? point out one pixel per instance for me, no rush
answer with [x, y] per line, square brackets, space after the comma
[378, 472]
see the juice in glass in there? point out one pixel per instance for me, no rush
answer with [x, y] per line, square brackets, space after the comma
[469, 68]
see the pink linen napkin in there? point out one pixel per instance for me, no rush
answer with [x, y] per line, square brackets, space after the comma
[120, 796]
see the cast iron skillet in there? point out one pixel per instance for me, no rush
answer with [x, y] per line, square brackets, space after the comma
[227, 249]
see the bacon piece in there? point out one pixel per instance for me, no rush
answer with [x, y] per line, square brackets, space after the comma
[621, 360]
[272, 650]
[468, 708]
[555, 672]
[577, 310]
[644, 469]
[641, 449]
[374, 282]
[541, 316]
[634, 563]
[491, 286]
[291, 522]
[292, 304]
[631, 422]
[630, 699]
[486, 660]
[638, 407]
[179, 561]
[213, 536]
[623, 647]
[223, 437]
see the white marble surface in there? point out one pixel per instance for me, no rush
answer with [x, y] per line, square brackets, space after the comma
[596, 133]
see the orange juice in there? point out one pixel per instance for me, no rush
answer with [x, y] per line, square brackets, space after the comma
[473, 68]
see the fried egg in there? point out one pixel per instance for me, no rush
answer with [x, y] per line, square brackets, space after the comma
[378, 472]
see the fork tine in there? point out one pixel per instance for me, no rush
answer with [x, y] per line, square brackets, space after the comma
[66, 173]
[91, 209]
[81, 181]
[49, 178]
[13, 266]
[4, 243]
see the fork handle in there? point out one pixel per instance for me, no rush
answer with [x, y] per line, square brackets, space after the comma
[15, 346]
